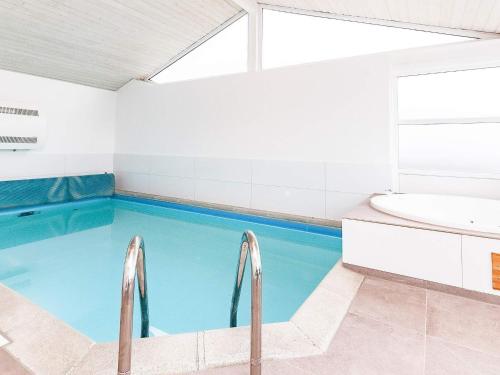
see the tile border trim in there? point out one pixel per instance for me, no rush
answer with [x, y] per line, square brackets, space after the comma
[426, 284]
[254, 216]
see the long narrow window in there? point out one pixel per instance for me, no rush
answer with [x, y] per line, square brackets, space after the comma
[294, 38]
[224, 53]
[449, 131]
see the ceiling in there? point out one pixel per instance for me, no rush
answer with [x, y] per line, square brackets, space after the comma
[478, 15]
[106, 43]
[102, 43]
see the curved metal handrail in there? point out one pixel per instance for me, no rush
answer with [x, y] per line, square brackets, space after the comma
[249, 242]
[135, 262]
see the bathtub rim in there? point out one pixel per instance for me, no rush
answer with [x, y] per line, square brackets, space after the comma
[364, 212]
[459, 226]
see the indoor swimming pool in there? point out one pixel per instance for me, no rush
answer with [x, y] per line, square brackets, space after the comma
[191, 257]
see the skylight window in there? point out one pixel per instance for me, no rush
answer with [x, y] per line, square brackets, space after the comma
[291, 39]
[224, 53]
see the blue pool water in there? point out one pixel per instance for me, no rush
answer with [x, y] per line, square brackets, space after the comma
[69, 260]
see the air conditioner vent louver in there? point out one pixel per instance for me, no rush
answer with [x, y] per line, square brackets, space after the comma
[19, 111]
[7, 139]
[22, 126]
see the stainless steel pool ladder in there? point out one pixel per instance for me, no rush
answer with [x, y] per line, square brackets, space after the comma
[249, 242]
[135, 262]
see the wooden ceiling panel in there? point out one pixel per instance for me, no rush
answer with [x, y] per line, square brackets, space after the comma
[102, 43]
[475, 15]
[106, 43]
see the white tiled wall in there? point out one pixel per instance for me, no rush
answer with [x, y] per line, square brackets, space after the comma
[467, 186]
[357, 178]
[80, 128]
[313, 189]
[23, 164]
[289, 200]
[172, 186]
[338, 203]
[223, 192]
[229, 170]
[172, 166]
[305, 175]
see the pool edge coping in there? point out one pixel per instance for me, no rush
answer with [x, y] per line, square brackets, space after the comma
[308, 333]
[308, 224]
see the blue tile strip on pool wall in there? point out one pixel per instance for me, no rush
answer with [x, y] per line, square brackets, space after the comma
[329, 231]
[42, 191]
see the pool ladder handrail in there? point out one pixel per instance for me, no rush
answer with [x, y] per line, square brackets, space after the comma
[135, 263]
[249, 242]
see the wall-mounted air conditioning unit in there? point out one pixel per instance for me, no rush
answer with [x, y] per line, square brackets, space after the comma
[21, 127]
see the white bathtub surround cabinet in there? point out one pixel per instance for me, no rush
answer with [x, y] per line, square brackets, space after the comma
[450, 256]
[476, 258]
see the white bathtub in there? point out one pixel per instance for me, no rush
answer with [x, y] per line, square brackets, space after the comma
[474, 214]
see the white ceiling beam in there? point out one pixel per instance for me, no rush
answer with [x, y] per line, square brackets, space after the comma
[380, 22]
[254, 10]
[255, 41]
[250, 6]
[254, 52]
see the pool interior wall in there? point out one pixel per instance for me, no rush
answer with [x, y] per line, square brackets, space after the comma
[68, 258]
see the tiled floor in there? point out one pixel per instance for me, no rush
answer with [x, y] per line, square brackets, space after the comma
[397, 329]
[9, 366]
[392, 329]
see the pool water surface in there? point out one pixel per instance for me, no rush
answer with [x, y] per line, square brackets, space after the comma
[69, 260]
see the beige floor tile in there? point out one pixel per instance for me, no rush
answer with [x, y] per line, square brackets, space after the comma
[10, 366]
[342, 281]
[464, 322]
[369, 272]
[231, 346]
[15, 310]
[28, 325]
[445, 358]
[392, 303]
[364, 346]
[472, 294]
[274, 367]
[46, 345]
[282, 367]
[171, 354]
[321, 315]
[229, 370]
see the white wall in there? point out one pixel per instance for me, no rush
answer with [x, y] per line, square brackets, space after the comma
[80, 128]
[312, 140]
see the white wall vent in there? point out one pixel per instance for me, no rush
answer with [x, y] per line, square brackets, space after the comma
[21, 128]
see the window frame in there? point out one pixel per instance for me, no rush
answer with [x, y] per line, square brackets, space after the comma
[396, 122]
